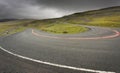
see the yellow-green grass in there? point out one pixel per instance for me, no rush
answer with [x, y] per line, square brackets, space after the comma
[11, 27]
[64, 29]
[4, 28]
[7, 29]
[18, 29]
[109, 21]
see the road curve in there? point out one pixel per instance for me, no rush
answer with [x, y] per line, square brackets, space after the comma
[101, 54]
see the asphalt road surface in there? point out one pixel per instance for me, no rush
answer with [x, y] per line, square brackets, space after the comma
[98, 50]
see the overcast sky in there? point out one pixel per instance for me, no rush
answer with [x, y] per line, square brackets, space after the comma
[42, 9]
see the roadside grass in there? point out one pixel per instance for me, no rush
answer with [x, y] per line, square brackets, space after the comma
[11, 27]
[63, 28]
[110, 21]
[16, 30]
[4, 28]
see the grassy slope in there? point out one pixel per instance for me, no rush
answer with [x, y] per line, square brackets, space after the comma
[107, 17]
[56, 27]
[12, 27]
[64, 29]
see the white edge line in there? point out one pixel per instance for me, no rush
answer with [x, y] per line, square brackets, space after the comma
[56, 65]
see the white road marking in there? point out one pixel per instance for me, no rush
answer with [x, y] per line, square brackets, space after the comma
[55, 65]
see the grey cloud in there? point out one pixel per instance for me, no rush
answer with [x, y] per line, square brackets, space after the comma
[78, 5]
[40, 9]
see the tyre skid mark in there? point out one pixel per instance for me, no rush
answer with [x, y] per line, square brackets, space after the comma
[80, 38]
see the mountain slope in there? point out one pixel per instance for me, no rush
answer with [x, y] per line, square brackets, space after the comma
[107, 17]
[102, 17]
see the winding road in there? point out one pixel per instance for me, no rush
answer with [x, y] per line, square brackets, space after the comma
[94, 51]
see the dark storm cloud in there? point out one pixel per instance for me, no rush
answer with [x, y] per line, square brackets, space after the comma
[78, 4]
[39, 9]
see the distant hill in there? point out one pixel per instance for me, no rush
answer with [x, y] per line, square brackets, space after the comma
[102, 17]
[5, 20]
[107, 17]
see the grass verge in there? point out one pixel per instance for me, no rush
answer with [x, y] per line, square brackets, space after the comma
[64, 29]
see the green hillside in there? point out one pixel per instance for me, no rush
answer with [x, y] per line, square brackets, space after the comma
[107, 17]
